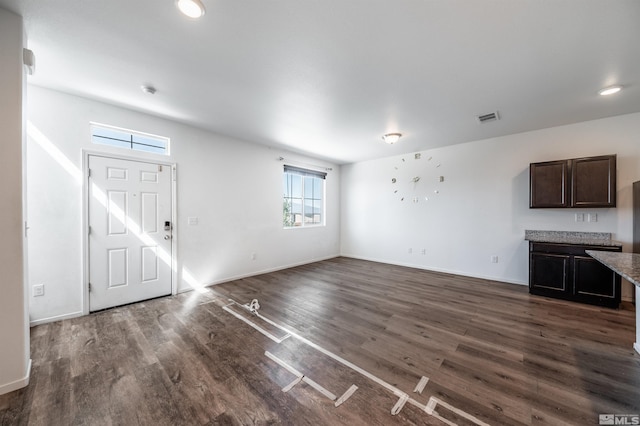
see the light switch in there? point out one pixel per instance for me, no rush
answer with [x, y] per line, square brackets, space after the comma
[192, 221]
[38, 290]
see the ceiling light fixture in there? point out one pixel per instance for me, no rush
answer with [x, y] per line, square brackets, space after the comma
[149, 90]
[191, 8]
[392, 138]
[609, 90]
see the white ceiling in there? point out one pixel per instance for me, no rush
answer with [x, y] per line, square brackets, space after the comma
[328, 78]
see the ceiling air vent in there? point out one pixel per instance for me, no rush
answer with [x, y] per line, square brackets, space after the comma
[485, 118]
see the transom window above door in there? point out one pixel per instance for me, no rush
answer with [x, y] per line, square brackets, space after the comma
[129, 139]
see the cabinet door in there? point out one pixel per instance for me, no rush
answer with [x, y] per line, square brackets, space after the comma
[549, 274]
[595, 283]
[593, 181]
[549, 184]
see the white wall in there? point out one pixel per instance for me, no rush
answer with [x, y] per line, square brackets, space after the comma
[14, 331]
[483, 208]
[233, 187]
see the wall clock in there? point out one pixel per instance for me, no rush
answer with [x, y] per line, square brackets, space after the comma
[416, 179]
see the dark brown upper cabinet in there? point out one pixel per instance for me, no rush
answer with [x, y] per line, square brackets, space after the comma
[578, 182]
[549, 184]
[593, 181]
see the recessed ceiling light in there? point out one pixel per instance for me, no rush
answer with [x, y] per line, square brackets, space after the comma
[392, 138]
[609, 90]
[191, 8]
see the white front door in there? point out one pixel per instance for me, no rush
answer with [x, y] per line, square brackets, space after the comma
[129, 231]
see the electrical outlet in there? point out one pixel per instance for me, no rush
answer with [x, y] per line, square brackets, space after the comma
[410, 250]
[593, 217]
[38, 290]
[494, 259]
[579, 217]
[423, 251]
[192, 221]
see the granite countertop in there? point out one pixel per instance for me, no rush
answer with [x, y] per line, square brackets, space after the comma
[570, 237]
[625, 264]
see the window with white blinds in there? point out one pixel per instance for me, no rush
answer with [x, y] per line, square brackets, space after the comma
[304, 196]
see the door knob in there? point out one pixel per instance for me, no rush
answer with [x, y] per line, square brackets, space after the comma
[167, 237]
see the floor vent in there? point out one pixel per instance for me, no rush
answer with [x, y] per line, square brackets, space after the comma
[485, 118]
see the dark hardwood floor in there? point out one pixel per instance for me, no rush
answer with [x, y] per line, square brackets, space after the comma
[489, 349]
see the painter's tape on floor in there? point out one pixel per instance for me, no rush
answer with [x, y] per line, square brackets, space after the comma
[399, 405]
[421, 385]
[434, 402]
[273, 333]
[300, 377]
[292, 384]
[404, 398]
[346, 395]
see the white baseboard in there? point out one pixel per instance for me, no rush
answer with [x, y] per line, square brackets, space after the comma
[636, 346]
[18, 384]
[263, 271]
[445, 271]
[33, 323]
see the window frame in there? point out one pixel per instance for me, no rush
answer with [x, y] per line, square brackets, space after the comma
[304, 174]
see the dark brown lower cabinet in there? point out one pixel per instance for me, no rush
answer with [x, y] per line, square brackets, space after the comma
[565, 271]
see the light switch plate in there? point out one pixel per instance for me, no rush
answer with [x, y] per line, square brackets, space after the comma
[192, 221]
[38, 290]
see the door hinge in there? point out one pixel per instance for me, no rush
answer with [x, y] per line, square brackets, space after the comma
[89, 230]
[89, 287]
[159, 167]
[88, 172]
